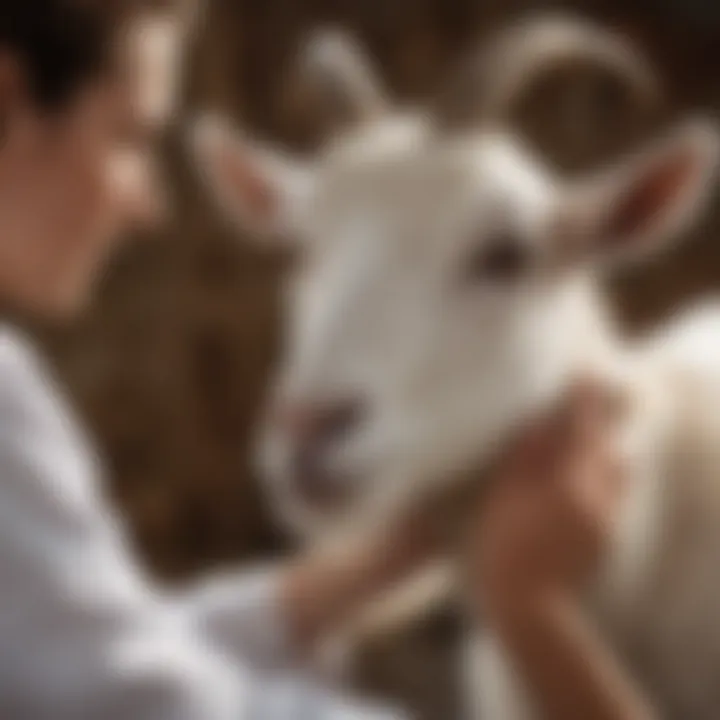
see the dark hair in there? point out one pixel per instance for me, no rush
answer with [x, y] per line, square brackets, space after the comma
[61, 44]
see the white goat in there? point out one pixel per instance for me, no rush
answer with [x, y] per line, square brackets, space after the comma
[449, 290]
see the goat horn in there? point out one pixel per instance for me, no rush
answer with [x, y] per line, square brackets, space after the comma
[493, 81]
[339, 79]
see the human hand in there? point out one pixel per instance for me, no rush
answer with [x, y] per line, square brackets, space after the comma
[549, 513]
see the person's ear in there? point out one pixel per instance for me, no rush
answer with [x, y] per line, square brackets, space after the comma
[261, 190]
[649, 200]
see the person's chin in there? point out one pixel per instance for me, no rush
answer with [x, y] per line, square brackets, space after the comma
[74, 298]
[52, 308]
[66, 308]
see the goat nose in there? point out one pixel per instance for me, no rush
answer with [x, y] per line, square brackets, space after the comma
[313, 427]
[311, 430]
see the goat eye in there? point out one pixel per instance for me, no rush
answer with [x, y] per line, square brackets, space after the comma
[503, 260]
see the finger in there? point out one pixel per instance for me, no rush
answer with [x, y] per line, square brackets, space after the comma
[561, 424]
[586, 414]
[525, 451]
[615, 476]
[606, 400]
[598, 482]
[557, 439]
[576, 424]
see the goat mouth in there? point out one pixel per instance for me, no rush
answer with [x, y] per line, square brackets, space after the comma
[320, 488]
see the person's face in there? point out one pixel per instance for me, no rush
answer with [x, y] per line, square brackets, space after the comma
[73, 183]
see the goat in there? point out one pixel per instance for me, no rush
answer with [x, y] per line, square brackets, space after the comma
[449, 290]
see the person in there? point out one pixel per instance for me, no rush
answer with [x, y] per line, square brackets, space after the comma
[85, 86]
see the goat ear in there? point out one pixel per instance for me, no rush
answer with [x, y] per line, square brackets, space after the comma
[158, 41]
[260, 190]
[638, 208]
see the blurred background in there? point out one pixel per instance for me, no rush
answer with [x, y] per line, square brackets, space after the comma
[170, 368]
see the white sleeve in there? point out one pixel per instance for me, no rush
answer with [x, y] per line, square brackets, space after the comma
[240, 613]
[84, 635]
